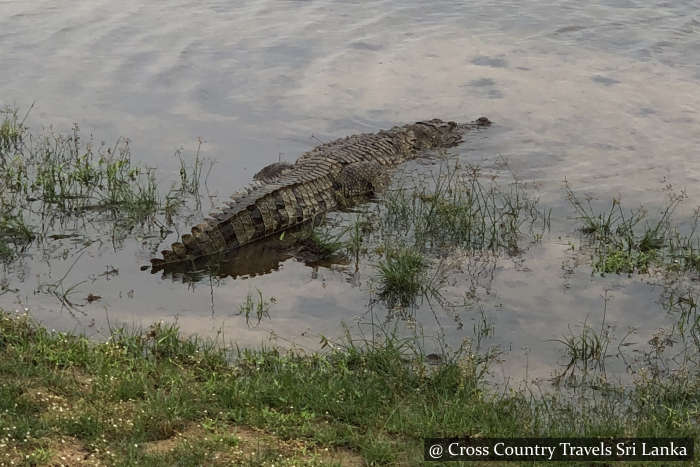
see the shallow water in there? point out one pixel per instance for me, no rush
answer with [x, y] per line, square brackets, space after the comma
[604, 94]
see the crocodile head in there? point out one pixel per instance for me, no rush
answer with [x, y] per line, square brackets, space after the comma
[437, 133]
[434, 133]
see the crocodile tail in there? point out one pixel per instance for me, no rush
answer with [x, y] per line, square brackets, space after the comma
[208, 237]
[203, 240]
[260, 210]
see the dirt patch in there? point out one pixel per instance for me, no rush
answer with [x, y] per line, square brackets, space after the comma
[166, 445]
[46, 398]
[69, 451]
[252, 443]
[251, 440]
[43, 395]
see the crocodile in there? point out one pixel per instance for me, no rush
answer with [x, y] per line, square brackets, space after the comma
[330, 176]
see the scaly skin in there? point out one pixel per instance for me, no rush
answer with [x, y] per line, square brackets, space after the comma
[329, 176]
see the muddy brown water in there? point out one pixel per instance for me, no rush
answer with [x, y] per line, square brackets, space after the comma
[605, 94]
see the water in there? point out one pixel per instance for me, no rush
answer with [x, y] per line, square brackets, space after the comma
[604, 94]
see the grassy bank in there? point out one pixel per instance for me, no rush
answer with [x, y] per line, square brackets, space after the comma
[156, 398]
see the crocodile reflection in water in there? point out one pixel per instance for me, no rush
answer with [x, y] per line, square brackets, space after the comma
[254, 259]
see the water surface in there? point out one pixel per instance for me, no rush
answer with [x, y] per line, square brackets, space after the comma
[605, 94]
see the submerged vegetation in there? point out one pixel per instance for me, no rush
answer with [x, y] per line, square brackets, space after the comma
[628, 241]
[63, 173]
[55, 181]
[459, 209]
[403, 277]
[455, 210]
[414, 227]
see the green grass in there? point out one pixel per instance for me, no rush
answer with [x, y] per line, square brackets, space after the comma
[403, 277]
[627, 241]
[457, 210]
[11, 130]
[72, 175]
[324, 243]
[460, 208]
[52, 181]
[586, 351]
[256, 305]
[414, 227]
[15, 234]
[120, 400]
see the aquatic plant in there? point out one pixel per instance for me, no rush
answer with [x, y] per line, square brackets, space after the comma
[457, 208]
[324, 242]
[51, 180]
[629, 241]
[403, 277]
[454, 209]
[256, 305]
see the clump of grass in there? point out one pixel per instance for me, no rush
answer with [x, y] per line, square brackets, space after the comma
[65, 174]
[458, 210]
[403, 276]
[55, 180]
[12, 130]
[627, 261]
[76, 177]
[256, 305]
[628, 241]
[191, 176]
[358, 232]
[15, 234]
[190, 181]
[454, 210]
[586, 350]
[325, 243]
